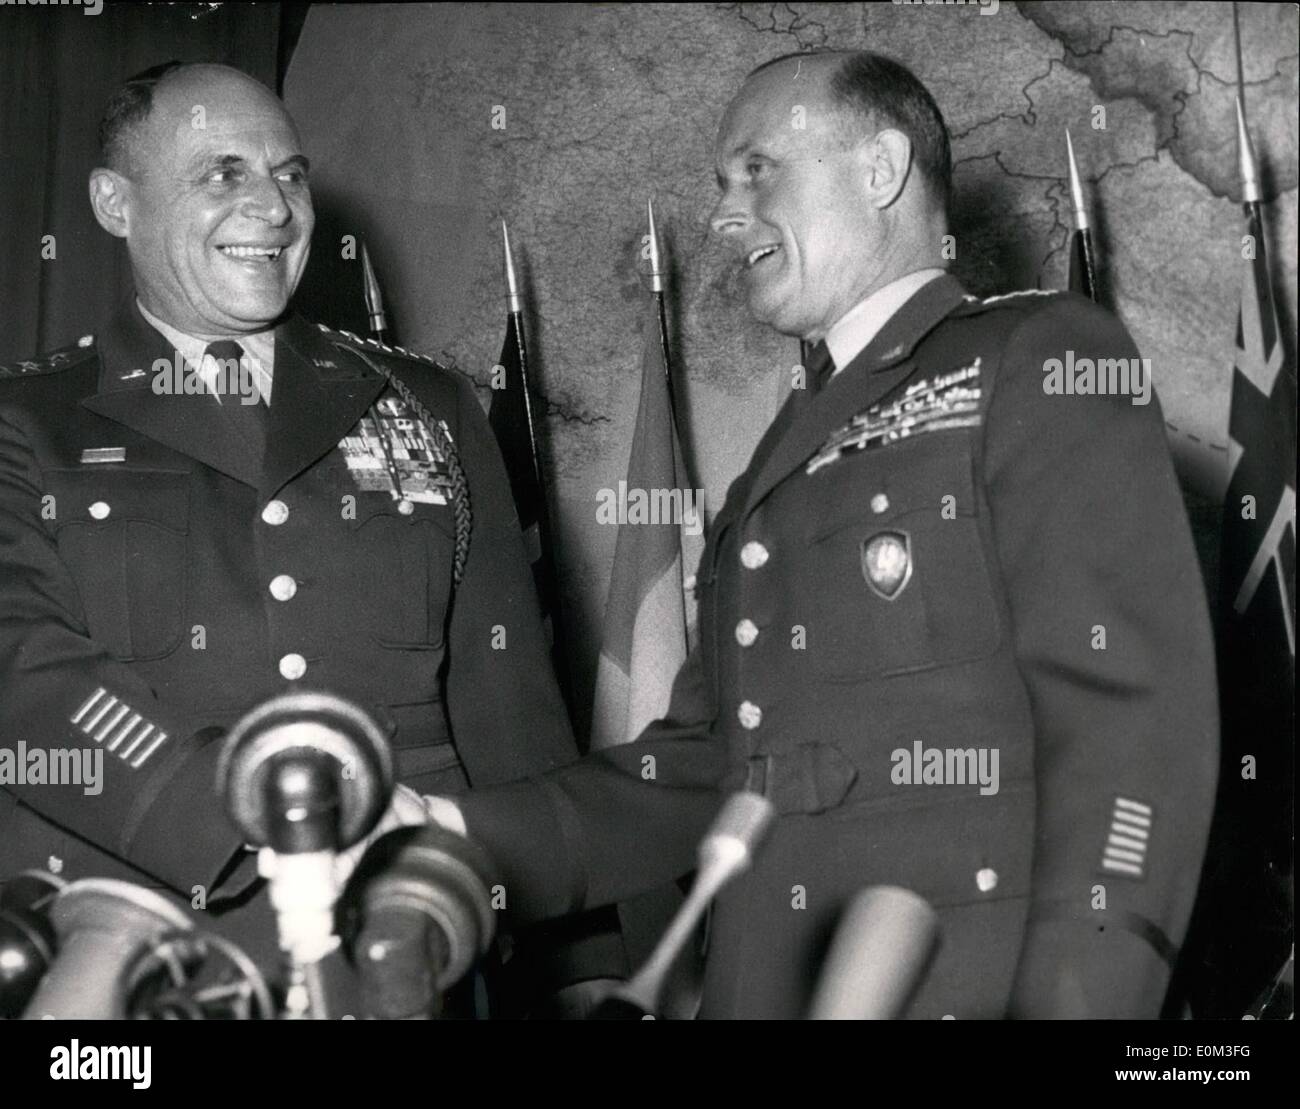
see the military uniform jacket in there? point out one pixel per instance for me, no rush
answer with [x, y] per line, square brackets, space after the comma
[932, 554]
[148, 601]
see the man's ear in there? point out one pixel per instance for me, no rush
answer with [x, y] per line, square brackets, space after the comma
[109, 200]
[886, 162]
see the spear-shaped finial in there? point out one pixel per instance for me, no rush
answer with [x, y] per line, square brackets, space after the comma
[1076, 187]
[515, 301]
[656, 270]
[374, 298]
[1246, 154]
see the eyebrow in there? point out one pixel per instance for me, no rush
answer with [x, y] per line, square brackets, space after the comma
[226, 160]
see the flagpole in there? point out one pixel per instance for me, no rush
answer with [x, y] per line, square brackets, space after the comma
[1083, 266]
[657, 290]
[515, 308]
[374, 299]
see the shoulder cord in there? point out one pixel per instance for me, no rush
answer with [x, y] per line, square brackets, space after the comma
[459, 486]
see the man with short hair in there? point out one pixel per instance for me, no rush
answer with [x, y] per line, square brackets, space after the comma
[951, 622]
[211, 501]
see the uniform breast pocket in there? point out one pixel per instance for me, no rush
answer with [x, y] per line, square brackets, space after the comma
[401, 573]
[896, 557]
[122, 535]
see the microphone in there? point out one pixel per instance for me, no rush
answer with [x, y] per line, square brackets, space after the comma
[27, 939]
[726, 851]
[878, 958]
[418, 914]
[306, 774]
[102, 925]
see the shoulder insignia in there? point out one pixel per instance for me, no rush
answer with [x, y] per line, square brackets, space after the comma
[55, 360]
[347, 338]
[940, 403]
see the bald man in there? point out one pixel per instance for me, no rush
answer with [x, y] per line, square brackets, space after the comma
[951, 620]
[210, 501]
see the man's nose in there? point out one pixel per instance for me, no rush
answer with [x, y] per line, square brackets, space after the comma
[728, 216]
[265, 201]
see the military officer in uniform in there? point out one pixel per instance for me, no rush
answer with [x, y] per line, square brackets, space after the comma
[211, 501]
[952, 623]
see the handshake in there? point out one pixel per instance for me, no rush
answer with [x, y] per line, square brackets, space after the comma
[407, 809]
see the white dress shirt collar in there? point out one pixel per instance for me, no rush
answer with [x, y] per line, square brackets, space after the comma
[851, 333]
[259, 353]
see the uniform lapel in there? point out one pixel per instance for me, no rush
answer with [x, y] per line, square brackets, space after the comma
[319, 394]
[884, 363]
[186, 423]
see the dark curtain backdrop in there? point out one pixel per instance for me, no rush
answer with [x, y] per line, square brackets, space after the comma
[58, 65]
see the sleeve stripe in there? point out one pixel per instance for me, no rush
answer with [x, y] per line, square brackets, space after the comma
[76, 719]
[112, 723]
[124, 731]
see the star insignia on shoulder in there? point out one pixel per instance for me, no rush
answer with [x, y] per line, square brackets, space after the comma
[52, 362]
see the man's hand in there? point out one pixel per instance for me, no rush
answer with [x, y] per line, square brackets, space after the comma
[446, 813]
[406, 808]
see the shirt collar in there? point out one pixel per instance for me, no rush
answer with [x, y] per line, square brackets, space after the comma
[851, 333]
[258, 347]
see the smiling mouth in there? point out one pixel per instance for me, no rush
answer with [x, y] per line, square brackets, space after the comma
[758, 254]
[252, 253]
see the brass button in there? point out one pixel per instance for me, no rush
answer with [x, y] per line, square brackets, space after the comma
[275, 513]
[99, 510]
[283, 587]
[749, 715]
[753, 555]
[746, 632]
[293, 667]
[986, 879]
[54, 864]
[879, 503]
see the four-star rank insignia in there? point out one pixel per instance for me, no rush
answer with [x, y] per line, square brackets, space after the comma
[887, 563]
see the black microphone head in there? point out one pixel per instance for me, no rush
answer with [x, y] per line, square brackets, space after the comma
[414, 877]
[27, 938]
[305, 729]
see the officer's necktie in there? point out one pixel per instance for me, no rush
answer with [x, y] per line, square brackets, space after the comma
[819, 367]
[248, 421]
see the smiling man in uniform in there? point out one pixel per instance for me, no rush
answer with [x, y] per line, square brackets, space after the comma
[927, 554]
[211, 501]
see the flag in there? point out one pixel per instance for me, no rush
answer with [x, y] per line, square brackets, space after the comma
[645, 634]
[1241, 931]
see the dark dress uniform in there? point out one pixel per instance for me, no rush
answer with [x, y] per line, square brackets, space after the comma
[925, 556]
[158, 579]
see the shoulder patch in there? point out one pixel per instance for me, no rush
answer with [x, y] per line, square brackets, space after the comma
[348, 339]
[54, 361]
